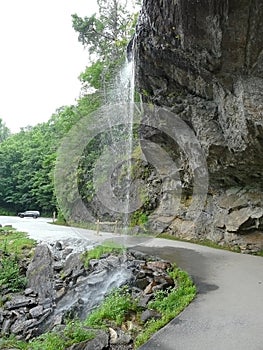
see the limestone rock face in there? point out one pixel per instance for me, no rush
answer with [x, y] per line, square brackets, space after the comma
[204, 60]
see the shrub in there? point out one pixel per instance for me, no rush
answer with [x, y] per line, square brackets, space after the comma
[10, 277]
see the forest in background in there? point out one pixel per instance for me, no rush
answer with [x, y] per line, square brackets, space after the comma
[28, 158]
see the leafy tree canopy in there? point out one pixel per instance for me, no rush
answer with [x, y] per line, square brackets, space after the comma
[4, 131]
[106, 36]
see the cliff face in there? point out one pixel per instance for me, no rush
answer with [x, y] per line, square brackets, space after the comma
[204, 60]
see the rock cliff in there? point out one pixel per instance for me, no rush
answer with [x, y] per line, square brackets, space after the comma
[204, 60]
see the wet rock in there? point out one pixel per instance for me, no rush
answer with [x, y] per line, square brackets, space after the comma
[135, 263]
[60, 293]
[113, 261]
[29, 292]
[144, 300]
[6, 326]
[149, 314]
[93, 263]
[20, 301]
[36, 312]
[73, 266]
[46, 303]
[149, 289]
[141, 283]
[59, 245]
[158, 265]
[96, 277]
[58, 266]
[138, 255]
[66, 252]
[22, 325]
[119, 337]
[40, 273]
[100, 342]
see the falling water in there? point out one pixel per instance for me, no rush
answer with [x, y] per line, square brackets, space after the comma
[122, 94]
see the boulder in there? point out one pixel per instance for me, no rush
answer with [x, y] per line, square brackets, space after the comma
[100, 342]
[40, 274]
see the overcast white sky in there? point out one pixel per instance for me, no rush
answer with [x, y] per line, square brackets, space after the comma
[40, 58]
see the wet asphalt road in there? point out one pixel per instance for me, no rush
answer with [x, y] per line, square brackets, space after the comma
[227, 313]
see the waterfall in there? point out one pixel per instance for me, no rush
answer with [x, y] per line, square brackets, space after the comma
[120, 97]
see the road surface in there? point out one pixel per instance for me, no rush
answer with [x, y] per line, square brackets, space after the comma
[43, 229]
[227, 313]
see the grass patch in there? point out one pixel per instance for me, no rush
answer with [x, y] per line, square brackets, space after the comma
[98, 251]
[259, 253]
[10, 276]
[74, 332]
[11, 342]
[113, 310]
[14, 242]
[13, 247]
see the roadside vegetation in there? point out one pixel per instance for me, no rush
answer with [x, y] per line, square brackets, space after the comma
[14, 247]
[74, 332]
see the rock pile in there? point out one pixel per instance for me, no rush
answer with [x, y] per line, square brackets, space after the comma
[61, 287]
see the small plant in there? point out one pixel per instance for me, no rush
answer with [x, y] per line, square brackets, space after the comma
[98, 251]
[113, 309]
[74, 332]
[13, 245]
[10, 277]
[139, 218]
[12, 342]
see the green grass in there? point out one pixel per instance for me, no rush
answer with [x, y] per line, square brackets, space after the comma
[11, 342]
[98, 251]
[10, 277]
[74, 332]
[168, 303]
[113, 310]
[15, 242]
[13, 247]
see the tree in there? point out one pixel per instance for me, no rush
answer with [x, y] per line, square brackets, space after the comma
[106, 36]
[4, 131]
[28, 158]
